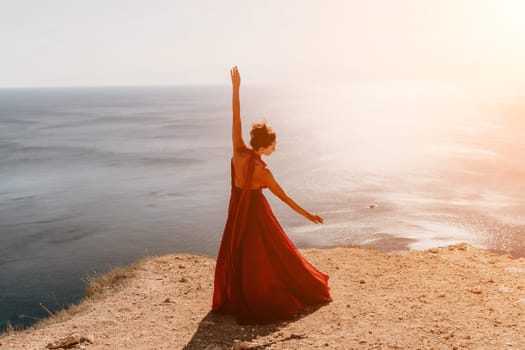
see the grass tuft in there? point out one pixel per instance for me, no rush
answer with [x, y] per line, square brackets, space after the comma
[97, 286]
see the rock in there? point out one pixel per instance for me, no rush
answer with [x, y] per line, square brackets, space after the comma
[90, 338]
[462, 246]
[213, 347]
[65, 342]
[70, 341]
[240, 345]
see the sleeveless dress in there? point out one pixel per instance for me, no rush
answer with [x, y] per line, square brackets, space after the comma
[260, 276]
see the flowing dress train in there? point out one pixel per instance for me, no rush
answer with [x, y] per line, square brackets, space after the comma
[260, 276]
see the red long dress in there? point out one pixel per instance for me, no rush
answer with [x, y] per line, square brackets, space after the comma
[260, 277]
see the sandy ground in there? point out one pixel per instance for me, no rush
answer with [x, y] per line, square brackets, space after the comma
[455, 297]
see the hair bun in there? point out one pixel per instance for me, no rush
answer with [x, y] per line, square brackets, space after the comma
[260, 129]
[262, 135]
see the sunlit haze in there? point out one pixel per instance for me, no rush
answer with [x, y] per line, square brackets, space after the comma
[79, 43]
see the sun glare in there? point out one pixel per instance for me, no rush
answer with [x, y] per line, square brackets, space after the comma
[513, 12]
[495, 36]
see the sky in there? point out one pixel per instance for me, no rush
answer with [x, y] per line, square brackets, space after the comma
[157, 42]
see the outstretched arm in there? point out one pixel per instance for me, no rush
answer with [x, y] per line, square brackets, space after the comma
[279, 192]
[238, 142]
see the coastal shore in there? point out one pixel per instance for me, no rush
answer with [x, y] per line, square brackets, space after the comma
[454, 297]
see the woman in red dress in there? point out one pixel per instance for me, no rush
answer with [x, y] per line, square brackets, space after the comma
[260, 276]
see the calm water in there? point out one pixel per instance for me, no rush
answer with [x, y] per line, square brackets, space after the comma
[93, 178]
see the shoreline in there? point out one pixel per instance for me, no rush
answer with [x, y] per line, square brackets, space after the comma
[454, 296]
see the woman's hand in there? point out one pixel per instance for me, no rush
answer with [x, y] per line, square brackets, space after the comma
[316, 219]
[236, 77]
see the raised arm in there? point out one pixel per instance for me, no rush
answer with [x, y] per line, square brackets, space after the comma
[238, 142]
[277, 190]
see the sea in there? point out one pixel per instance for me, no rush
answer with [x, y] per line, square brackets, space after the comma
[92, 178]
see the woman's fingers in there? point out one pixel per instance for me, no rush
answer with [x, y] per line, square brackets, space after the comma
[235, 71]
[235, 76]
[316, 219]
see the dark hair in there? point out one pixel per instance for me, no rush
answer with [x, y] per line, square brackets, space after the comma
[261, 136]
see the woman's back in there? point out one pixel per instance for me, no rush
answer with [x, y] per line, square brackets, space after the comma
[241, 160]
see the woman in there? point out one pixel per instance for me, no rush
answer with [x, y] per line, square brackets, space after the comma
[260, 277]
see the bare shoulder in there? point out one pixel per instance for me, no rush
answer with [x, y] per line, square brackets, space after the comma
[261, 167]
[262, 171]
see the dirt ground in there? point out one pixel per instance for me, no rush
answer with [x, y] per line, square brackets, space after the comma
[456, 297]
